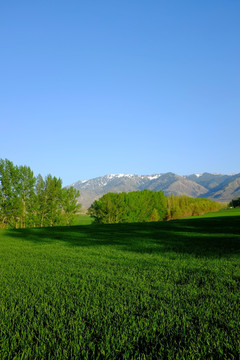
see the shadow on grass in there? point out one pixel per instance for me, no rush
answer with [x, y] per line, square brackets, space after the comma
[218, 236]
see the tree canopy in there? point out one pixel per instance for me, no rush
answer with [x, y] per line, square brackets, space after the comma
[235, 202]
[29, 201]
[147, 206]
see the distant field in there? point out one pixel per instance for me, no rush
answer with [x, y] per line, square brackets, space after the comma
[167, 290]
[82, 219]
[223, 212]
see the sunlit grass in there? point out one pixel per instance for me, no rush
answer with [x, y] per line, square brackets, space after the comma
[167, 290]
[82, 219]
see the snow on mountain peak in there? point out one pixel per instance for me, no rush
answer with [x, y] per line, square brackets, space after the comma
[112, 176]
[153, 177]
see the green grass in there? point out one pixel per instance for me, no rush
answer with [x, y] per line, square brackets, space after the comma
[223, 212]
[82, 219]
[166, 290]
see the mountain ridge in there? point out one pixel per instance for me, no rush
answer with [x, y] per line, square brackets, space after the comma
[219, 187]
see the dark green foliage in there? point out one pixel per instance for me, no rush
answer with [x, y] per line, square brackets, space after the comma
[235, 202]
[26, 201]
[146, 205]
[135, 206]
[165, 290]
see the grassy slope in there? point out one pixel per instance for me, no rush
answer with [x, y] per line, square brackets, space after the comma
[165, 290]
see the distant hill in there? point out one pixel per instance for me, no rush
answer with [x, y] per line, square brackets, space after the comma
[217, 187]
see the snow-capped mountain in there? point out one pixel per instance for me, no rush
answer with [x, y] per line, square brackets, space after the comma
[218, 187]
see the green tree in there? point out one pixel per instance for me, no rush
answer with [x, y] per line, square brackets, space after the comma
[70, 205]
[10, 206]
[154, 215]
[53, 194]
[26, 194]
[136, 206]
[49, 201]
[41, 202]
[180, 206]
[27, 201]
[235, 202]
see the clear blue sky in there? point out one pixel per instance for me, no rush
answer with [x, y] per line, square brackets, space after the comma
[89, 88]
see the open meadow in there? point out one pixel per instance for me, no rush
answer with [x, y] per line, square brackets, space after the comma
[163, 290]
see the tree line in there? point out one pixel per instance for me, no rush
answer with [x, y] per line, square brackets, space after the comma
[147, 206]
[29, 201]
[235, 203]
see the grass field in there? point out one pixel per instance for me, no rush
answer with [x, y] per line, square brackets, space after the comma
[82, 219]
[167, 290]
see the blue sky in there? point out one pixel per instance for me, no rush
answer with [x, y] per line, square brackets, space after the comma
[89, 88]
